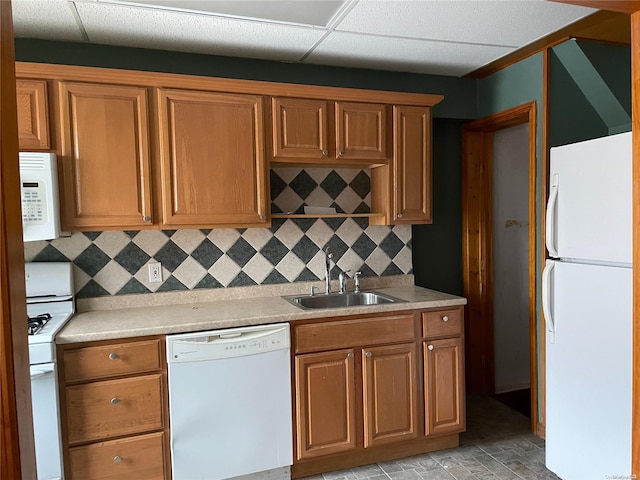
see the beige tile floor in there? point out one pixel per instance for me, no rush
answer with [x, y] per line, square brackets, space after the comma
[497, 445]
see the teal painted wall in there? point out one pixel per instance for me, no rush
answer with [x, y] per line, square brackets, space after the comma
[459, 93]
[437, 248]
[574, 115]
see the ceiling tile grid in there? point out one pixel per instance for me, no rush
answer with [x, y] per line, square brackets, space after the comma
[442, 37]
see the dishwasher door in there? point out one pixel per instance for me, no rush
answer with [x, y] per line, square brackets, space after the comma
[230, 402]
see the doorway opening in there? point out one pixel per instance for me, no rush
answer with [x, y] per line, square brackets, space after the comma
[499, 256]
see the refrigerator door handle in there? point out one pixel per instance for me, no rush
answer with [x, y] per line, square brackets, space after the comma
[551, 218]
[546, 300]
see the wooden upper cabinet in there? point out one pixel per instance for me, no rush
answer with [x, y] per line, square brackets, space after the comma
[390, 394]
[300, 129]
[320, 132]
[213, 166]
[361, 131]
[412, 165]
[105, 156]
[33, 115]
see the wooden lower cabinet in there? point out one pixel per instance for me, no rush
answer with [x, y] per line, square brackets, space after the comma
[115, 412]
[390, 390]
[133, 458]
[325, 404]
[376, 388]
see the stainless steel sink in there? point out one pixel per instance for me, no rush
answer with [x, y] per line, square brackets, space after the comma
[341, 300]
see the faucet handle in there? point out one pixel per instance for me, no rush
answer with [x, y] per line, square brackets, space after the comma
[342, 280]
[356, 281]
[312, 291]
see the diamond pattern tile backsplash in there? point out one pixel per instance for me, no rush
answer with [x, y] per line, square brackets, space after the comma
[115, 262]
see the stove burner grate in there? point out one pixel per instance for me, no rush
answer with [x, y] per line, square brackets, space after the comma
[37, 323]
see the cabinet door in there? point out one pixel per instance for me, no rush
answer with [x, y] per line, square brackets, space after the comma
[444, 386]
[213, 165]
[33, 115]
[361, 132]
[412, 165]
[300, 129]
[325, 403]
[105, 156]
[390, 394]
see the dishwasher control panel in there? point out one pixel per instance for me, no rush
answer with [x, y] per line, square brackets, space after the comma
[229, 343]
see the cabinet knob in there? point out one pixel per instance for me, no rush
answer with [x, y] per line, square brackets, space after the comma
[445, 318]
[117, 459]
[368, 354]
[341, 153]
[325, 153]
[399, 215]
[115, 401]
[146, 218]
[263, 217]
[429, 347]
[113, 356]
[350, 355]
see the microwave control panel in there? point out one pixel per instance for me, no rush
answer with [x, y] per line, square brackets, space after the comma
[34, 211]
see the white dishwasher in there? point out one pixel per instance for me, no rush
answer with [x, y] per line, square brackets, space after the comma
[230, 403]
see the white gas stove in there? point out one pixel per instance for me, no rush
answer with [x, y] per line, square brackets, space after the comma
[50, 304]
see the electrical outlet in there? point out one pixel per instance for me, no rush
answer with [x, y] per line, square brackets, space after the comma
[155, 272]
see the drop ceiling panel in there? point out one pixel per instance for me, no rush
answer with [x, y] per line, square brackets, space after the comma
[50, 19]
[418, 56]
[488, 22]
[161, 29]
[315, 12]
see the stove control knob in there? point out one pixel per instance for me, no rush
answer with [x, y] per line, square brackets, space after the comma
[113, 356]
[117, 459]
[115, 401]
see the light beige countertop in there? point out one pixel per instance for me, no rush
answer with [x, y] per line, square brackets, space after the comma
[190, 316]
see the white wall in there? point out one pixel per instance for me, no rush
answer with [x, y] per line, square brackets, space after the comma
[511, 258]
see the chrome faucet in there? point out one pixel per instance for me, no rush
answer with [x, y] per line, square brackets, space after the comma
[328, 255]
[342, 280]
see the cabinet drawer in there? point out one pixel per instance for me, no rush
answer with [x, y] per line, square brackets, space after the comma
[100, 410]
[442, 323]
[353, 333]
[135, 458]
[91, 363]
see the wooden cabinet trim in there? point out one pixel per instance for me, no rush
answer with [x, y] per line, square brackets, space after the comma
[185, 81]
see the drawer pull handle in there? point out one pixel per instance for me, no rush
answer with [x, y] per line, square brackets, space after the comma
[115, 401]
[350, 355]
[117, 459]
[368, 354]
[445, 318]
[113, 356]
[430, 347]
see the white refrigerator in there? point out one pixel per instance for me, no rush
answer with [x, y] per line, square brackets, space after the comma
[587, 305]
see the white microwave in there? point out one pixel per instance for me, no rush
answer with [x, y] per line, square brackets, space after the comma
[39, 192]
